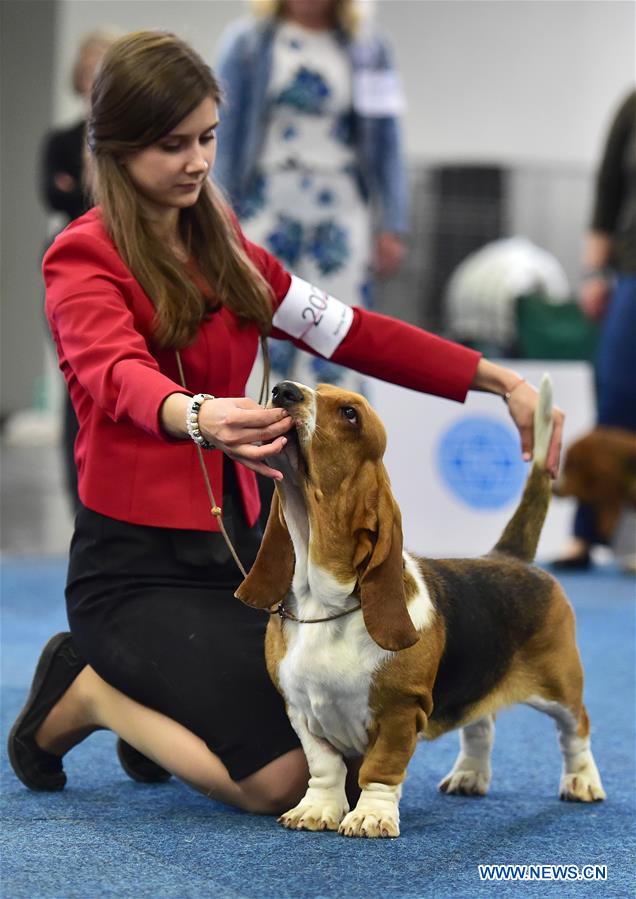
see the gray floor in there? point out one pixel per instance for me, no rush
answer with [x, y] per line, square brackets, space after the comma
[35, 516]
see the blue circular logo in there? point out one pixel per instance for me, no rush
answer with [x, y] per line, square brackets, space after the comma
[480, 462]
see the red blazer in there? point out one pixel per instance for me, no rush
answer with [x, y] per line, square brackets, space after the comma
[117, 377]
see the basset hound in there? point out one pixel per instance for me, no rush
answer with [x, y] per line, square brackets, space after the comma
[373, 648]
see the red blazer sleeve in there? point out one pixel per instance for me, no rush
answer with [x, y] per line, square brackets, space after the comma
[385, 347]
[97, 321]
[402, 354]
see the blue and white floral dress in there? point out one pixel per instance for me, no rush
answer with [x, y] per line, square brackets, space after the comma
[305, 204]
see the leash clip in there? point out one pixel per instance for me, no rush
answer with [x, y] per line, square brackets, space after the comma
[280, 610]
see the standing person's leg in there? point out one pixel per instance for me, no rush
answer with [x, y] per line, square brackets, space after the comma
[616, 401]
[616, 383]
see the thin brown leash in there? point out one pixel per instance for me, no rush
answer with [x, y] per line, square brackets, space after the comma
[267, 369]
[284, 613]
[215, 509]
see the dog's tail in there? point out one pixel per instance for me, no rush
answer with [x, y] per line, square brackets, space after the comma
[521, 535]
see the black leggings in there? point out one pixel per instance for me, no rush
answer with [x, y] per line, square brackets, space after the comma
[152, 611]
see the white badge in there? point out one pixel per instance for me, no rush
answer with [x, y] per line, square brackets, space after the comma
[377, 93]
[310, 314]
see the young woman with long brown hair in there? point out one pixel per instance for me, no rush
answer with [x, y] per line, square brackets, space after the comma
[156, 303]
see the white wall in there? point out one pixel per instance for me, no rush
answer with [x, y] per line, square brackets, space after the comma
[26, 62]
[198, 21]
[499, 80]
[511, 80]
[439, 522]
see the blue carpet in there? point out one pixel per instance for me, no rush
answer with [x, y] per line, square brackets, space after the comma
[107, 836]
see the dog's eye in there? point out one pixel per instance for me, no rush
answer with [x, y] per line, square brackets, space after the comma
[350, 414]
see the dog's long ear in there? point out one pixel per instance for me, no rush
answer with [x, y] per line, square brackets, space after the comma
[270, 577]
[381, 574]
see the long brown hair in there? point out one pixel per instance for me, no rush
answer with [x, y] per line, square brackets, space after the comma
[148, 82]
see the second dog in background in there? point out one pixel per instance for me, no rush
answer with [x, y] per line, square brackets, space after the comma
[599, 469]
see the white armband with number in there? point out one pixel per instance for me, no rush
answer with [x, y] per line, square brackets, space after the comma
[311, 315]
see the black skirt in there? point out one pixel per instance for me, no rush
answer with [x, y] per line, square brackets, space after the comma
[152, 611]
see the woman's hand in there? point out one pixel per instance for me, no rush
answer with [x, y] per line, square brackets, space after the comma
[521, 405]
[390, 251]
[522, 402]
[64, 182]
[594, 297]
[595, 289]
[237, 425]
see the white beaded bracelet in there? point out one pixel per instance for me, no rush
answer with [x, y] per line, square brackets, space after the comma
[192, 420]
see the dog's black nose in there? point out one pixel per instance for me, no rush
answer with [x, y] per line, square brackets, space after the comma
[286, 393]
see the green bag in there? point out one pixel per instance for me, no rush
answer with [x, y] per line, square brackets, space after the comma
[554, 330]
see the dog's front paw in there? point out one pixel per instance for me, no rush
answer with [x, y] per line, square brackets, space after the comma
[465, 783]
[365, 823]
[312, 813]
[582, 787]
[377, 813]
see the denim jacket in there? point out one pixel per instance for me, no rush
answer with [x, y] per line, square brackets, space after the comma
[243, 68]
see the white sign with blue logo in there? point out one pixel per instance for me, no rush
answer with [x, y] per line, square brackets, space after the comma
[457, 471]
[479, 461]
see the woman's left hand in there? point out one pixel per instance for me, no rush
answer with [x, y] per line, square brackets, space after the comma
[521, 405]
[522, 400]
[390, 251]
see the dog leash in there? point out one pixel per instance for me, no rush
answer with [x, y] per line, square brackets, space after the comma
[284, 613]
[217, 511]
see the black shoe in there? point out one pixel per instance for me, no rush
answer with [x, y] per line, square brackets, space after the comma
[57, 668]
[580, 562]
[138, 767]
